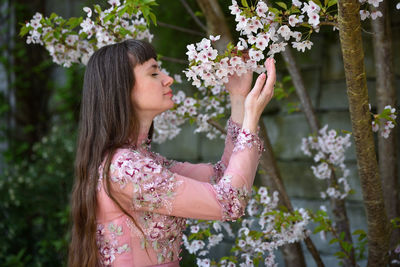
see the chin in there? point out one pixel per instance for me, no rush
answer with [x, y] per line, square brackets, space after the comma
[166, 108]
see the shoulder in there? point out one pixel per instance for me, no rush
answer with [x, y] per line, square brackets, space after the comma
[132, 165]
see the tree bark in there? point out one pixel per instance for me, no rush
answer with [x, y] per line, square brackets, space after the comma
[386, 95]
[216, 23]
[353, 58]
[338, 205]
[301, 91]
[31, 70]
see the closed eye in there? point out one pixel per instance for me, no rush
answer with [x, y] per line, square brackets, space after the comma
[154, 74]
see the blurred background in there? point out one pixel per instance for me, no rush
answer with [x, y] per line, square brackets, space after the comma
[39, 109]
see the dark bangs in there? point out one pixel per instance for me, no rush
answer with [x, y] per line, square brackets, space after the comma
[142, 51]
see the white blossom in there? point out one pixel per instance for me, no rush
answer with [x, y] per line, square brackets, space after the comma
[364, 14]
[376, 14]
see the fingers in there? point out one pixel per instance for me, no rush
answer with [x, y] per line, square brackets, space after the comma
[259, 84]
[268, 89]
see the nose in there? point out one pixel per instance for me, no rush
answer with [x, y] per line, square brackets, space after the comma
[168, 80]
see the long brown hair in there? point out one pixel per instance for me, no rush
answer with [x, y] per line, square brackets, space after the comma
[107, 122]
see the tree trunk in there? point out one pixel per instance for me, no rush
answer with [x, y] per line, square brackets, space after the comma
[216, 23]
[301, 91]
[32, 71]
[338, 205]
[353, 58]
[386, 95]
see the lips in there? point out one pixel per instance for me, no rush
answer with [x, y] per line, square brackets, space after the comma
[169, 93]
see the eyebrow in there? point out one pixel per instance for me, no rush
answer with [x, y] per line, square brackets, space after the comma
[154, 66]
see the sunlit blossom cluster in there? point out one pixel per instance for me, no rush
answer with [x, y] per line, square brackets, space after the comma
[258, 236]
[328, 151]
[260, 34]
[66, 45]
[384, 121]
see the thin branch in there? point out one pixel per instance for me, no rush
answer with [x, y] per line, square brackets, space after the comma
[175, 60]
[178, 28]
[194, 17]
[329, 23]
[217, 126]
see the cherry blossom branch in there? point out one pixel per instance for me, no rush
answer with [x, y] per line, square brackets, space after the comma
[216, 125]
[194, 17]
[179, 28]
[175, 60]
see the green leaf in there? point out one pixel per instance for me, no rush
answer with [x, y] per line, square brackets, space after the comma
[318, 229]
[317, 2]
[199, 14]
[53, 16]
[153, 18]
[331, 3]
[57, 34]
[97, 8]
[346, 132]
[74, 22]
[286, 78]
[359, 232]
[282, 4]
[24, 30]
[244, 3]
[274, 10]
[122, 11]
[341, 236]
[333, 240]
[346, 246]
[340, 254]
[124, 31]
[108, 17]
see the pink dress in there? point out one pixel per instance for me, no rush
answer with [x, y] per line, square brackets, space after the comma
[160, 194]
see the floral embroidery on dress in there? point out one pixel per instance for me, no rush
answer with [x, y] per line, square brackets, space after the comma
[249, 140]
[153, 186]
[161, 233]
[233, 129]
[219, 169]
[166, 163]
[233, 200]
[108, 244]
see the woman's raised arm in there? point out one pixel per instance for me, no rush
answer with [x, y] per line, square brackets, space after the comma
[145, 185]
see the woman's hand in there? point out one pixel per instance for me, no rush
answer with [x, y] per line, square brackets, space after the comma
[239, 85]
[259, 96]
[238, 88]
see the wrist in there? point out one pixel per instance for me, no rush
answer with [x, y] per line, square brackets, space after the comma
[237, 108]
[238, 99]
[250, 123]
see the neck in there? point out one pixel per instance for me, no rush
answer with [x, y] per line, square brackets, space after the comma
[145, 127]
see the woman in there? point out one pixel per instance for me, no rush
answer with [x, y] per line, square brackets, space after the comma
[129, 204]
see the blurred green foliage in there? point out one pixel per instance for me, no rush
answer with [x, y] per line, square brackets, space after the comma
[34, 189]
[36, 177]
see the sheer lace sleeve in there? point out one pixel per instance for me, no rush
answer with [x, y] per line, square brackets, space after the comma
[207, 172]
[146, 185]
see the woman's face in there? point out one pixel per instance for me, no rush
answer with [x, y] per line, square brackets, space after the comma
[151, 94]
